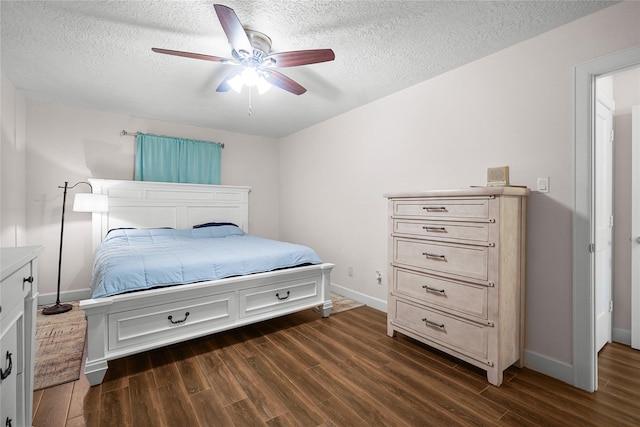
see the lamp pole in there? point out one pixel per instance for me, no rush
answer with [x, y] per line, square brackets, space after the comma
[62, 308]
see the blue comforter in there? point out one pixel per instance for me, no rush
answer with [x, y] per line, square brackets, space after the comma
[137, 259]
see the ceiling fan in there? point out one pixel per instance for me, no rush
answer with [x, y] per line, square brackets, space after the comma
[252, 51]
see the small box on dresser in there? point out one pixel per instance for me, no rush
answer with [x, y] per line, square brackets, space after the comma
[18, 301]
[457, 273]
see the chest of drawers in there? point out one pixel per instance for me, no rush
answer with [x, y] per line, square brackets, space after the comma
[457, 273]
[18, 300]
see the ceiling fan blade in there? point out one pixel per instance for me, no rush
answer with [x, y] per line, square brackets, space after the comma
[301, 57]
[233, 29]
[283, 82]
[224, 86]
[191, 55]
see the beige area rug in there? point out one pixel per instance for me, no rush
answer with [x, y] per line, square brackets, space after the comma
[341, 303]
[60, 343]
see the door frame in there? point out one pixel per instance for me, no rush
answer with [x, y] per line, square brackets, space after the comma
[635, 226]
[585, 366]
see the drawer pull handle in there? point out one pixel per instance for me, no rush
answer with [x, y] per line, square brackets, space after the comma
[176, 322]
[284, 297]
[430, 289]
[8, 422]
[28, 279]
[428, 255]
[4, 374]
[435, 229]
[433, 324]
[434, 208]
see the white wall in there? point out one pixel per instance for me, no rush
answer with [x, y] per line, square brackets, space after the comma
[71, 144]
[626, 93]
[512, 108]
[13, 169]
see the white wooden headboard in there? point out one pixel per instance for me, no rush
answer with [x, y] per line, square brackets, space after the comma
[144, 204]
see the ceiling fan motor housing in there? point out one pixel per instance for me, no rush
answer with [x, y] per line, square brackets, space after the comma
[260, 42]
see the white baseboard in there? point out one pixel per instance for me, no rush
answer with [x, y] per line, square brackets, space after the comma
[376, 303]
[50, 299]
[549, 366]
[622, 336]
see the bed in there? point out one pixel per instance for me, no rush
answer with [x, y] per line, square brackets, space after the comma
[122, 321]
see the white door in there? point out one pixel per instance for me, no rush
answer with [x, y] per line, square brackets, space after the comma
[635, 228]
[603, 217]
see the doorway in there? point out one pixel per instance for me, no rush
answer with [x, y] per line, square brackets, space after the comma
[584, 230]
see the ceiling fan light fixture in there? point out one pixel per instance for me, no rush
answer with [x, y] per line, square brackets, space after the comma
[252, 50]
[236, 83]
[249, 76]
[263, 85]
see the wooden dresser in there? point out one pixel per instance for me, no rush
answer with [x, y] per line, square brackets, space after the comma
[18, 300]
[457, 273]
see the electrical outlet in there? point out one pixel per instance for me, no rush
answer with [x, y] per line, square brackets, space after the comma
[543, 185]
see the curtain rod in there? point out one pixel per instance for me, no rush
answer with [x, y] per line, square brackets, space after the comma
[125, 133]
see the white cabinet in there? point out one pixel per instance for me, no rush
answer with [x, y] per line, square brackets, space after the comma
[457, 273]
[18, 300]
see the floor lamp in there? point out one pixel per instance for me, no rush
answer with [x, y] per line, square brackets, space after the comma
[83, 202]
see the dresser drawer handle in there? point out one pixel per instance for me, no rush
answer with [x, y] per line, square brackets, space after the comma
[428, 255]
[4, 374]
[176, 322]
[7, 423]
[284, 297]
[433, 324]
[430, 289]
[28, 279]
[434, 208]
[435, 229]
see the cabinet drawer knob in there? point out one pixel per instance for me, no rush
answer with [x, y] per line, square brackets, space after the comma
[175, 322]
[7, 423]
[284, 297]
[430, 289]
[28, 279]
[428, 255]
[4, 374]
[433, 324]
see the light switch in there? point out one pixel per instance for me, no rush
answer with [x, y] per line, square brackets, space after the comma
[543, 185]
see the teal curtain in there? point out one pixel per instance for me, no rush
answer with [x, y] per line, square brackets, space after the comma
[169, 159]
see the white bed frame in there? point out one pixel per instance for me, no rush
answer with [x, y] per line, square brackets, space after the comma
[122, 325]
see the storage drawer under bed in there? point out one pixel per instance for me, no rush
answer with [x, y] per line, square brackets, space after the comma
[281, 296]
[180, 318]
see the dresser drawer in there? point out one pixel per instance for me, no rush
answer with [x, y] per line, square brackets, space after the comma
[474, 231]
[442, 208]
[467, 261]
[15, 289]
[11, 354]
[180, 318]
[255, 301]
[464, 336]
[464, 298]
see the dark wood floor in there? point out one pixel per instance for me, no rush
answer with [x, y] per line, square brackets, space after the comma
[342, 371]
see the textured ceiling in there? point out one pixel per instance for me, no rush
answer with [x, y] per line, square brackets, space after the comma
[97, 54]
